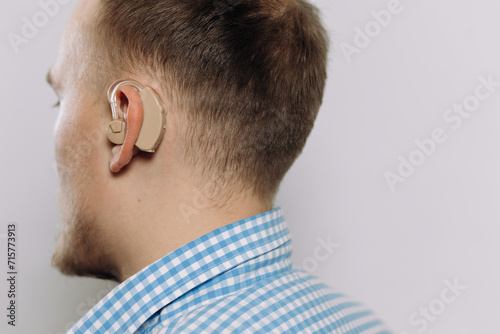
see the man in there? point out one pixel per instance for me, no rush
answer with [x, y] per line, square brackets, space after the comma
[190, 230]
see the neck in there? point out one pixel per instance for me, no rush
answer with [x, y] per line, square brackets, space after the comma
[155, 221]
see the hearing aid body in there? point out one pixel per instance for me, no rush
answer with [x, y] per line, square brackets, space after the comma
[154, 120]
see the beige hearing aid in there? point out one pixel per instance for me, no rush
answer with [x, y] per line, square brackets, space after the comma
[154, 122]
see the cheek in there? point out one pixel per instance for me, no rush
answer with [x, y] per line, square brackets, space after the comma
[78, 143]
[80, 149]
[64, 136]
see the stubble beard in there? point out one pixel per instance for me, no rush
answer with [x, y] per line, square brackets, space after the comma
[80, 249]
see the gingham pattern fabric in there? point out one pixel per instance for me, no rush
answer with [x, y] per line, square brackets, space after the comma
[236, 279]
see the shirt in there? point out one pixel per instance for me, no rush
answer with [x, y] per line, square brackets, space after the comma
[236, 279]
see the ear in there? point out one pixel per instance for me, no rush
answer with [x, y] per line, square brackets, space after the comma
[131, 104]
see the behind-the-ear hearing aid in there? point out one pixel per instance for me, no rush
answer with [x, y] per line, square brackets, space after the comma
[154, 121]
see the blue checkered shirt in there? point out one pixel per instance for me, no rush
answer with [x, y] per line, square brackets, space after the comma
[236, 279]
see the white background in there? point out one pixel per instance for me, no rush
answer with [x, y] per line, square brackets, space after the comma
[396, 248]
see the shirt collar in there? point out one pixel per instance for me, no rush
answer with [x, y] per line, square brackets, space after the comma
[131, 303]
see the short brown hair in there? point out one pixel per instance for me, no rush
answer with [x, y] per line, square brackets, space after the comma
[250, 75]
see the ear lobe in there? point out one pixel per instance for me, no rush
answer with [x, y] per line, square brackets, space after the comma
[133, 117]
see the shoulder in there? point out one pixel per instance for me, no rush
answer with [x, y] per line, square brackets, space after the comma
[291, 302]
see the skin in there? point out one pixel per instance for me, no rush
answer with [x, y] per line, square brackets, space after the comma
[121, 209]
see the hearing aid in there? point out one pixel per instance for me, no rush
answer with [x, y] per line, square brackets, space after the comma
[154, 121]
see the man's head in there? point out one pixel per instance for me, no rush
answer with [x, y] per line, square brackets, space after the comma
[242, 82]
